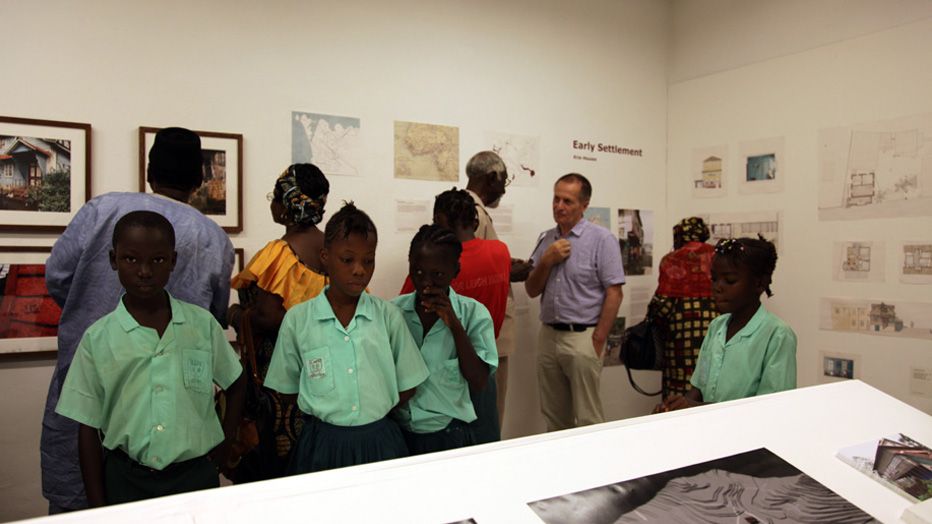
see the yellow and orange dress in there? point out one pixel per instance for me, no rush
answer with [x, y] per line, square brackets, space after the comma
[275, 269]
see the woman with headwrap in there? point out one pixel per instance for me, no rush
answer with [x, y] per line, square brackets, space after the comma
[285, 272]
[682, 306]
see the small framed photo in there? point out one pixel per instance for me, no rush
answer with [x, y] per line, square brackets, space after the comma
[838, 366]
[28, 315]
[45, 173]
[220, 197]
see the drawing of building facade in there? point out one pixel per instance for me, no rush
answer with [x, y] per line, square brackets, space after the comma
[711, 173]
[769, 229]
[883, 316]
[917, 260]
[851, 317]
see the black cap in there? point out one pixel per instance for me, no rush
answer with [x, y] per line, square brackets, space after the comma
[175, 159]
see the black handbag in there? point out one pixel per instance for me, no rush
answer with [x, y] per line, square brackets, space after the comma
[642, 348]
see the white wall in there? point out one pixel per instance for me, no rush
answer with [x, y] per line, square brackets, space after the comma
[879, 76]
[592, 70]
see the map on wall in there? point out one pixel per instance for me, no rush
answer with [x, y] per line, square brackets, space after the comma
[327, 141]
[876, 170]
[427, 151]
[520, 153]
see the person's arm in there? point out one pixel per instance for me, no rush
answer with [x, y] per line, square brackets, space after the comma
[66, 253]
[220, 282]
[520, 269]
[235, 398]
[269, 311]
[405, 396]
[556, 253]
[474, 370]
[613, 297]
[91, 456]
[692, 398]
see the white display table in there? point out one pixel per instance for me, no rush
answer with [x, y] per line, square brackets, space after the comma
[493, 483]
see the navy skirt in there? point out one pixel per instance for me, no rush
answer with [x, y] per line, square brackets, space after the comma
[323, 446]
[455, 435]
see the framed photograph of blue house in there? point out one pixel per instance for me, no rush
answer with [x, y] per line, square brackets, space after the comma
[45, 173]
[220, 197]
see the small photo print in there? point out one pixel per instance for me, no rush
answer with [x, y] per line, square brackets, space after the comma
[35, 174]
[761, 167]
[834, 366]
[708, 171]
[838, 367]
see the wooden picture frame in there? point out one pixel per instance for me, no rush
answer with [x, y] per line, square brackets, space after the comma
[28, 314]
[223, 166]
[45, 173]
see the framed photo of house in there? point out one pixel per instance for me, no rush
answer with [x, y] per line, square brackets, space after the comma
[28, 314]
[220, 197]
[45, 173]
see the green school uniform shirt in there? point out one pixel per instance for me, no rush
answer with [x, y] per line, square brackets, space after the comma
[345, 376]
[445, 394]
[152, 398]
[759, 359]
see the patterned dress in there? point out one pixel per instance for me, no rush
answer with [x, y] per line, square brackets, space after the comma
[682, 308]
[275, 269]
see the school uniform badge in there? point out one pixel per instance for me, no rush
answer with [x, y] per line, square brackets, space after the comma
[315, 368]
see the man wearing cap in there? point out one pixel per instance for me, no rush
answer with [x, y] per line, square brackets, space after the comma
[577, 269]
[80, 279]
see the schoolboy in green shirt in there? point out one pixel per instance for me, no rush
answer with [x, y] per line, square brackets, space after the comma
[143, 377]
[747, 351]
[457, 340]
[348, 356]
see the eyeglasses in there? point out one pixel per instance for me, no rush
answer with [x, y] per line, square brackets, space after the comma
[270, 196]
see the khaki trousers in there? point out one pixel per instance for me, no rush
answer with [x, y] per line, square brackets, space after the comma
[568, 373]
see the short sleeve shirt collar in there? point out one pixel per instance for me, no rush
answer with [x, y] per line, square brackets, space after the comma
[322, 310]
[129, 323]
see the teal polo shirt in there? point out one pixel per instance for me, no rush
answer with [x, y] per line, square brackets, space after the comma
[345, 376]
[759, 359]
[151, 397]
[445, 394]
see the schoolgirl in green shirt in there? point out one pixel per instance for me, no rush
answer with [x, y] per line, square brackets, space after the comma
[143, 376]
[456, 338]
[747, 350]
[348, 356]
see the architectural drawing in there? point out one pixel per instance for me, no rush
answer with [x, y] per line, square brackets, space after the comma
[762, 169]
[838, 366]
[858, 261]
[750, 224]
[916, 263]
[708, 170]
[521, 155]
[876, 170]
[877, 317]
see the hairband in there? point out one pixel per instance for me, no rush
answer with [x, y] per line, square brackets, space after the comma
[728, 245]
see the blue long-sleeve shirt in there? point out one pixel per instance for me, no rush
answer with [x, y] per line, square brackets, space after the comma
[79, 278]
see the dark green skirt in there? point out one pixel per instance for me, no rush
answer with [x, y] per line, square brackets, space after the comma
[455, 435]
[323, 446]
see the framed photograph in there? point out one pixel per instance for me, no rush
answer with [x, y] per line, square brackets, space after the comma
[45, 173]
[28, 315]
[220, 197]
[763, 169]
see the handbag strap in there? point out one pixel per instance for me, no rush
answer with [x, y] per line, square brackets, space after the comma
[245, 340]
[638, 388]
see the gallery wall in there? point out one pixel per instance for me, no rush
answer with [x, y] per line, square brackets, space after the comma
[877, 84]
[592, 71]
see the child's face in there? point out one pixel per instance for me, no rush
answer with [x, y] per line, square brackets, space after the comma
[432, 269]
[734, 288]
[350, 263]
[143, 259]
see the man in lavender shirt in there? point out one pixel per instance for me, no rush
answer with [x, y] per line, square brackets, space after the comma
[81, 281]
[577, 268]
